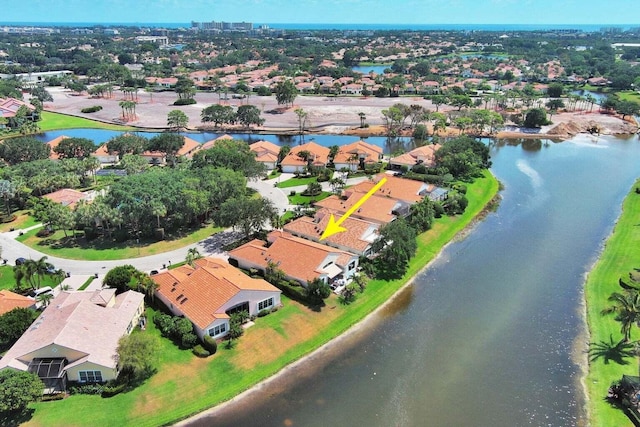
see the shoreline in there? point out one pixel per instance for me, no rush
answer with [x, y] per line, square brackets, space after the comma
[327, 115]
[351, 331]
[600, 280]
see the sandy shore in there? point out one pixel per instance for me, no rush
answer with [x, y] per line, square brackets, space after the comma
[325, 114]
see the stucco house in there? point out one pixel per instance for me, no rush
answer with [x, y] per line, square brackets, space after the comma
[404, 190]
[210, 291]
[377, 209]
[357, 239]
[357, 155]
[76, 338]
[294, 162]
[104, 157]
[266, 153]
[422, 155]
[68, 197]
[300, 259]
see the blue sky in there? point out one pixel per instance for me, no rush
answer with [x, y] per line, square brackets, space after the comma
[327, 11]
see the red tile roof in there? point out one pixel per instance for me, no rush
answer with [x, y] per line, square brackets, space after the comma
[201, 292]
[53, 144]
[10, 300]
[424, 154]
[358, 236]
[296, 257]
[396, 188]
[377, 209]
[211, 143]
[369, 152]
[66, 197]
[319, 154]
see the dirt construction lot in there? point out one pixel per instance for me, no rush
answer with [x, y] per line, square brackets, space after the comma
[325, 114]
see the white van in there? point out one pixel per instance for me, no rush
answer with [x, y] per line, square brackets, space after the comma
[40, 291]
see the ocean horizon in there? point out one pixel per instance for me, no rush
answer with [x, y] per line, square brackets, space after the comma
[344, 27]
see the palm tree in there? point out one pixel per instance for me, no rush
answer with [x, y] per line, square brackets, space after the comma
[192, 255]
[146, 284]
[626, 306]
[42, 267]
[122, 105]
[159, 210]
[91, 164]
[45, 298]
[28, 271]
[363, 118]
[7, 192]
[59, 275]
[19, 273]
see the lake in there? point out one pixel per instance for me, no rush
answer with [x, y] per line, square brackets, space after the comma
[492, 333]
[99, 136]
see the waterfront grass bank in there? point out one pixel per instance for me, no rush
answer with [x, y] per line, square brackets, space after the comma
[620, 255]
[186, 385]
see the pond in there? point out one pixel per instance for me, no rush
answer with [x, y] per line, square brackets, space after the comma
[598, 96]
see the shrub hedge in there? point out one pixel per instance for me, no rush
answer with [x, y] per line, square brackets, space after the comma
[92, 109]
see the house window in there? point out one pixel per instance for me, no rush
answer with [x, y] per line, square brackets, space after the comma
[263, 305]
[90, 376]
[352, 265]
[218, 330]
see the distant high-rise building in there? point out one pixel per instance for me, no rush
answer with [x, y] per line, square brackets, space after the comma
[221, 26]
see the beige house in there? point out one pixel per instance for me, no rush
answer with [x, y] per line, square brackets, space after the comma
[209, 292]
[300, 259]
[357, 155]
[317, 156]
[357, 238]
[266, 153]
[424, 155]
[76, 337]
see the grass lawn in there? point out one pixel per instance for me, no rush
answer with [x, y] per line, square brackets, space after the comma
[287, 215]
[23, 220]
[6, 277]
[8, 282]
[99, 249]
[299, 199]
[185, 385]
[621, 254]
[274, 174]
[598, 89]
[86, 284]
[629, 95]
[294, 182]
[57, 121]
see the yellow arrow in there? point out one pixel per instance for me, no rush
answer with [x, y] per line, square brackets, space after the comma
[334, 227]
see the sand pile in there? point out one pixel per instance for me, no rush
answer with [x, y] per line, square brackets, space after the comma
[565, 129]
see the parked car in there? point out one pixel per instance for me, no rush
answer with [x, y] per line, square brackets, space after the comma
[43, 290]
[20, 261]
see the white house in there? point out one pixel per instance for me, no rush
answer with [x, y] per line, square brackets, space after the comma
[76, 337]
